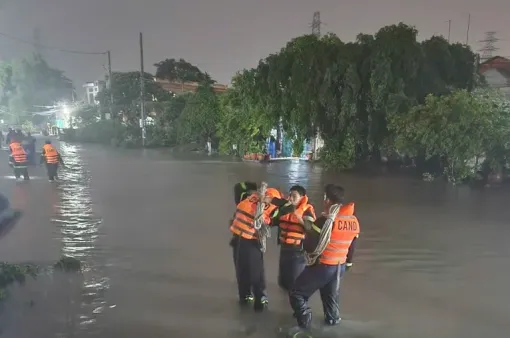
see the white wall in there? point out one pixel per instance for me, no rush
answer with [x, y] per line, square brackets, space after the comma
[497, 80]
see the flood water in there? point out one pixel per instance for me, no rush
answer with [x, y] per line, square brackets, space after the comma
[151, 230]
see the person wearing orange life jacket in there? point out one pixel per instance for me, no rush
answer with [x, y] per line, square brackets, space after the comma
[242, 189]
[291, 235]
[18, 158]
[247, 254]
[329, 246]
[51, 157]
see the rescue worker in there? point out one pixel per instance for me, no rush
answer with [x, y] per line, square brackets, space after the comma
[51, 157]
[329, 246]
[242, 190]
[247, 254]
[18, 159]
[29, 145]
[291, 235]
[9, 136]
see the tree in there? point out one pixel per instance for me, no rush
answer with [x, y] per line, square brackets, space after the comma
[462, 128]
[347, 92]
[180, 71]
[242, 121]
[197, 122]
[126, 94]
[29, 84]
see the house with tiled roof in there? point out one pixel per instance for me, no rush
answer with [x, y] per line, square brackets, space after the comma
[496, 71]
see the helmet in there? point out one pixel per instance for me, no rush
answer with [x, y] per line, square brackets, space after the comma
[272, 192]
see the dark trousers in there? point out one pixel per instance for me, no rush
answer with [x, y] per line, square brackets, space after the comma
[326, 279]
[249, 265]
[52, 169]
[292, 263]
[20, 169]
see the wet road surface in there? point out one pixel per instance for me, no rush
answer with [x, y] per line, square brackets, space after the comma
[151, 229]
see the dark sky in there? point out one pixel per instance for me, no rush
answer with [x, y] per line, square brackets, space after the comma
[221, 36]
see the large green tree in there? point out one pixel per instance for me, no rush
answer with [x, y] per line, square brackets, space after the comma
[29, 85]
[197, 122]
[180, 71]
[463, 129]
[346, 92]
[243, 122]
[126, 94]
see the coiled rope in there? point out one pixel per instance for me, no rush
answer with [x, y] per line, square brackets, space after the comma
[263, 230]
[325, 235]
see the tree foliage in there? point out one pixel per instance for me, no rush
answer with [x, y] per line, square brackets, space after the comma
[29, 84]
[126, 94]
[242, 121]
[197, 122]
[459, 128]
[180, 71]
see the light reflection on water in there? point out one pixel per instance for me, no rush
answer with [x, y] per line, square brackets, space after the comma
[79, 229]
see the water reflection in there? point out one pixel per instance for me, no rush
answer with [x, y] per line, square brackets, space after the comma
[79, 229]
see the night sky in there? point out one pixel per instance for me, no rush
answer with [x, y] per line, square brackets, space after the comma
[221, 36]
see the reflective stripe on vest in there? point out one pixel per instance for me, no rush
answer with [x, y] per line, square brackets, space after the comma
[291, 231]
[345, 229]
[18, 153]
[242, 225]
[50, 153]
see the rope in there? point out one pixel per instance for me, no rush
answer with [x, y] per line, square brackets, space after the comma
[325, 235]
[263, 230]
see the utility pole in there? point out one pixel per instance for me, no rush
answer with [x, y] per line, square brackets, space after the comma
[316, 24]
[142, 91]
[110, 80]
[468, 26]
[38, 41]
[449, 29]
[489, 45]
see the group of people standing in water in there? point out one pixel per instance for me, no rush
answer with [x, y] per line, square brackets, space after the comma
[315, 251]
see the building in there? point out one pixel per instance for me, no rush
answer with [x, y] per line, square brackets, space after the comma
[91, 90]
[187, 87]
[496, 71]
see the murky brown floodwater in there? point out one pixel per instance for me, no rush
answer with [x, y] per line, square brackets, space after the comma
[151, 229]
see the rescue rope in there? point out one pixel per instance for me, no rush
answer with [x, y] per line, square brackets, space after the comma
[325, 235]
[263, 230]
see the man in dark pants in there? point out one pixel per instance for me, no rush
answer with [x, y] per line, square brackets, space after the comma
[52, 158]
[247, 254]
[18, 159]
[291, 233]
[328, 245]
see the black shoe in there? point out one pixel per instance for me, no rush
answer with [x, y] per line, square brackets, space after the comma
[261, 305]
[305, 320]
[247, 300]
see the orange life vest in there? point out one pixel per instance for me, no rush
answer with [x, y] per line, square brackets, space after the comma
[291, 231]
[18, 153]
[242, 225]
[345, 230]
[50, 153]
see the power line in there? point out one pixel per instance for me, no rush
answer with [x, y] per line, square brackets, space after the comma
[37, 45]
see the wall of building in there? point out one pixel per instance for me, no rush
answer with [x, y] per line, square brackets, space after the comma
[495, 79]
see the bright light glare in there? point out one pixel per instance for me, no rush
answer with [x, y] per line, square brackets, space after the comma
[65, 110]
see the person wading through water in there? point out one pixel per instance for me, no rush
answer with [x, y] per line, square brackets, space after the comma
[329, 247]
[291, 235]
[249, 228]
